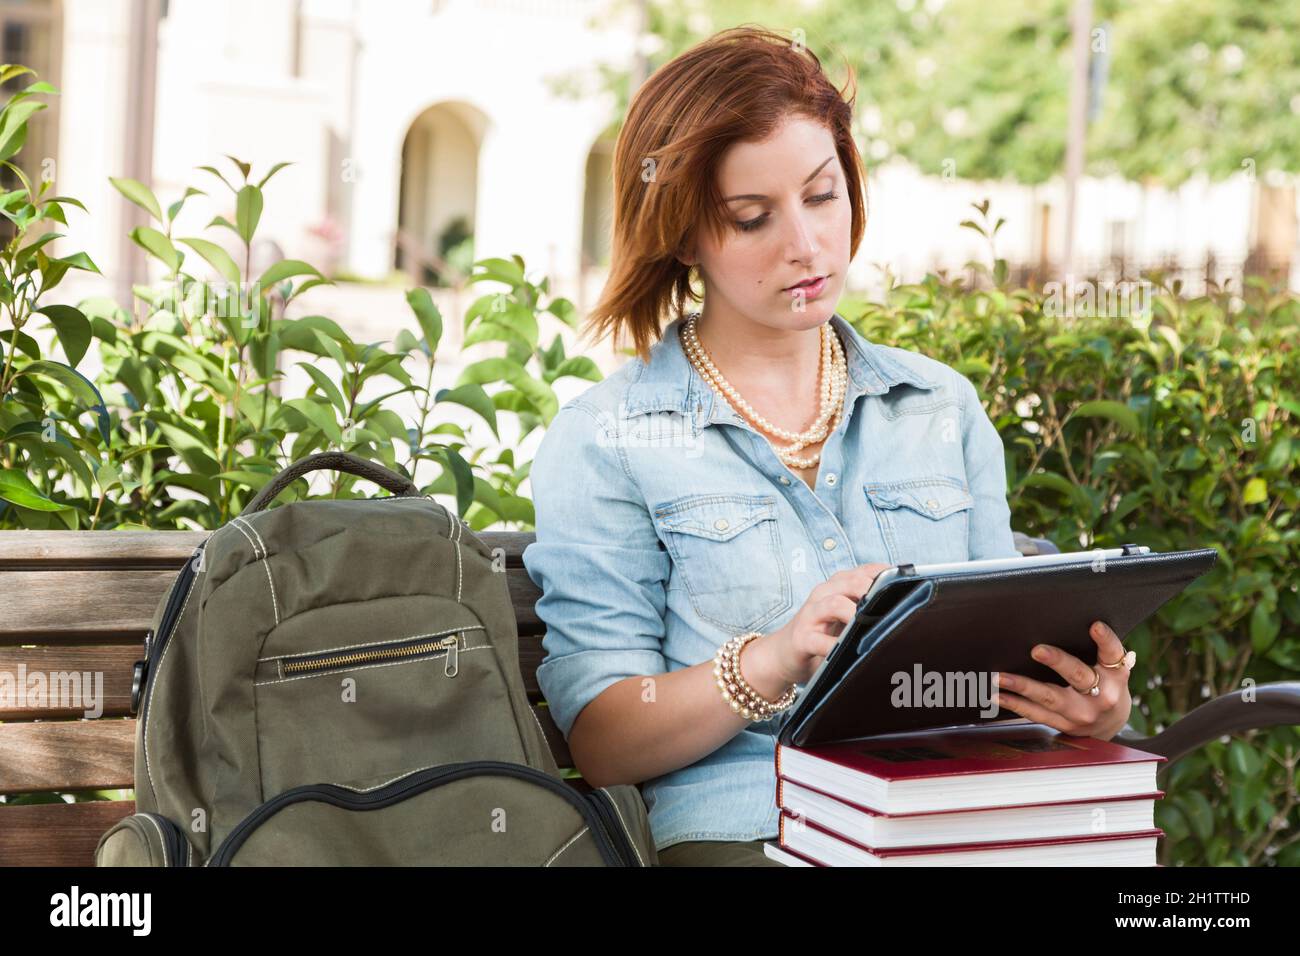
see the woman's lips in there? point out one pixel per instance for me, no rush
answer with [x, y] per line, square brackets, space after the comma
[809, 291]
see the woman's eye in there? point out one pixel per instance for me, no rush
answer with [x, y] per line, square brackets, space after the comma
[750, 225]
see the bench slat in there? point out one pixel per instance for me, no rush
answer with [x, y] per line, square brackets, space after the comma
[57, 834]
[96, 550]
[96, 607]
[113, 663]
[67, 755]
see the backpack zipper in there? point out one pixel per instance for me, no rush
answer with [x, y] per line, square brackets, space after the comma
[154, 640]
[605, 805]
[615, 851]
[174, 842]
[393, 650]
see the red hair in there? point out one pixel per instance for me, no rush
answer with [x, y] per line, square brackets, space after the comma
[740, 85]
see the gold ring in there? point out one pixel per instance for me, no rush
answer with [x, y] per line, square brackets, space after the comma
[1128, 660]
[1095, 689]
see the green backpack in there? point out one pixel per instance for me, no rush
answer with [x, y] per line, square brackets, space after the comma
[336, 682]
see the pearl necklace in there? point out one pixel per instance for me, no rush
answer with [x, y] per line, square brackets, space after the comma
[832, 388]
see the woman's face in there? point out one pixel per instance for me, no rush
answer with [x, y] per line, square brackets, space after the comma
[790, 221]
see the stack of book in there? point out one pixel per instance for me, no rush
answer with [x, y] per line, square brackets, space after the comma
[1003, 794]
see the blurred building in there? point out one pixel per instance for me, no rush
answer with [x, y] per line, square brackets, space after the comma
[413, 125]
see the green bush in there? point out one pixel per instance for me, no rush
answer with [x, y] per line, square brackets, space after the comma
[1175, 428]
[186, 422]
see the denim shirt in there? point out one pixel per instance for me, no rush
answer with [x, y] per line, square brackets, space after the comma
[667, 524]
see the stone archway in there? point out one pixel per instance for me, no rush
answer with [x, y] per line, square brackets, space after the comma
[437, 192]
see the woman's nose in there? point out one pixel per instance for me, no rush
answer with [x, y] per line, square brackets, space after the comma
[801, 244]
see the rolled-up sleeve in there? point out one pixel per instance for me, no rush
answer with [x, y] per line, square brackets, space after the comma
[986, 475]
[598, 563]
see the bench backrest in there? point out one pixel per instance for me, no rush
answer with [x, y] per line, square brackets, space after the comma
[74, 601]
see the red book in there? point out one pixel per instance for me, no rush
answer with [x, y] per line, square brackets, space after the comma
[1060, 818]
[966, 768]
[821, 847]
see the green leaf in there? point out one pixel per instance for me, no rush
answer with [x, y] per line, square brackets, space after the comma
[254, 479]
[9, 70]
[327, 387]
[1117, 412]
[474, 398]
[406, 343]
[78, 260]
[216, 256]
[75, 382]
[1255, 492]
[274, 169]
[175, 207]
[317, 414]
[29, 250]
[427, 314]
[285, 269]
[17, 488]
[1264, 627]
[72, 327]
[501, 270]
[138, 193]
[491, 370]
[1199, 812]
[462, 474]
[300, 333]
[244, 168]
[216, 172]
[248, 211]
[13, 126]
[579, 366]
[1243, 759]
[157, 245]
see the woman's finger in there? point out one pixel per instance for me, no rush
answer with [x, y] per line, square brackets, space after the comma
[1076, 673]
[1068, 704]
[1036, 712]
[1109, 648]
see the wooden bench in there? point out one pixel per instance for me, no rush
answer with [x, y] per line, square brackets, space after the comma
[82, 601]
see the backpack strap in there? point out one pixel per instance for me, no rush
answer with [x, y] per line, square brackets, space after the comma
[399, 485]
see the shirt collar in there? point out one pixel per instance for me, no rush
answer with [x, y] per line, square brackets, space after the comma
[669, 382]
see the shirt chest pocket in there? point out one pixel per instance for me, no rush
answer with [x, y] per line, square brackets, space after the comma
[727, 555]
[923, 520]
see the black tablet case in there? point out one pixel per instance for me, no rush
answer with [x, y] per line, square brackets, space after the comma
[980, 622]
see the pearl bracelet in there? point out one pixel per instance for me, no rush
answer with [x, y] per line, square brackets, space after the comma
[736, 691]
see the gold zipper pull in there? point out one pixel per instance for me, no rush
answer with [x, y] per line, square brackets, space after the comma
[453, 664]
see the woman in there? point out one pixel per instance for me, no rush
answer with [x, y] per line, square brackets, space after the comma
[727, 496]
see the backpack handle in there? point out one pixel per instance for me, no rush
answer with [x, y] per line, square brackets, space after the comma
[399, 485]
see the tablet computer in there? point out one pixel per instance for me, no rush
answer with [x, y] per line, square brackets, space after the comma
[969, 621]
[986, 565]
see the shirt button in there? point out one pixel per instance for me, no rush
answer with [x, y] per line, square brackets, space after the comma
[830, 479]
[829, 544]
[784, 480]
[720, 524]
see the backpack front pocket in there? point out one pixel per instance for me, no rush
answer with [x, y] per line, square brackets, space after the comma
[143, 839]
[390, 691]
[474, 813]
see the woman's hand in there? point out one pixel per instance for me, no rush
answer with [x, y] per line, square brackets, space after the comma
[792, 653]
[1070, 711]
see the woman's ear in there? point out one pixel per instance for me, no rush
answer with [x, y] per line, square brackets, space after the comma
[687, 256]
